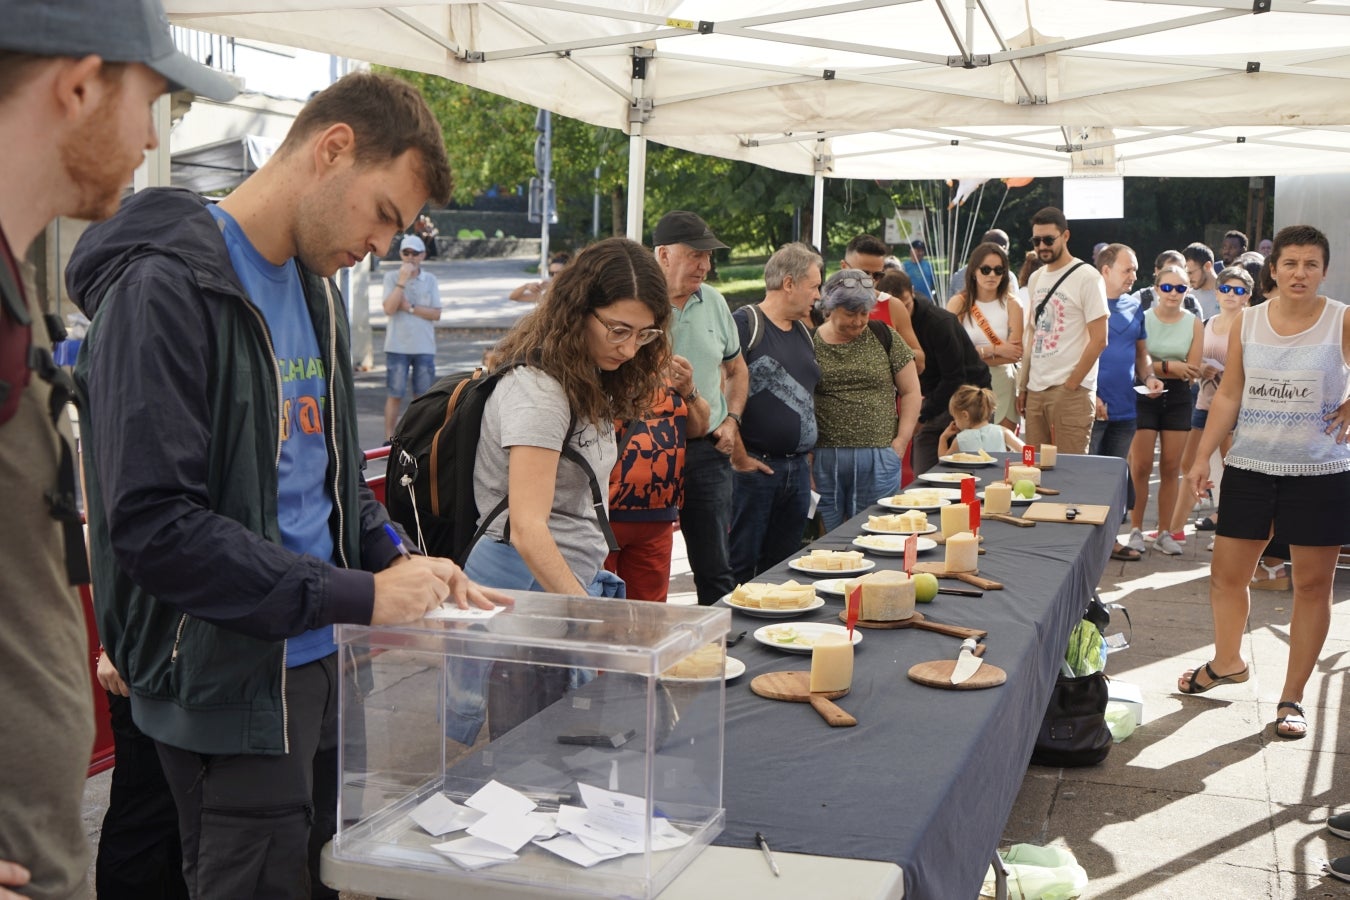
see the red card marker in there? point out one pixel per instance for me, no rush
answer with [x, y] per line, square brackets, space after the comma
[967, 490]
[854, 605]
[974, 517]
[911, 553]
[1028, 455]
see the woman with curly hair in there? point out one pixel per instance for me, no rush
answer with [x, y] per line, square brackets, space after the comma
[593, 351]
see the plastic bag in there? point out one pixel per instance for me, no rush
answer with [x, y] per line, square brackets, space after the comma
[1039, 873]
[1120, 720]
[1086, 652]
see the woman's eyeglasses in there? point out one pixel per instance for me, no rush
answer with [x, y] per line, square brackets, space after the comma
[1233, 289]
[854, 281]
[1046, 239]
[992, 270]
[1169, 288]
[620, 333]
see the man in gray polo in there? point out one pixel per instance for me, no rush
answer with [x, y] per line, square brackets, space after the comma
[76, 83]
[704, 334]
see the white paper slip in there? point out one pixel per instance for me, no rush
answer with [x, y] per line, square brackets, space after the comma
[495, 797]
[453, 612]
[483, 855]
[507, 829]
[576, 851]
[548, 824]
[438, 815]
[666, 836]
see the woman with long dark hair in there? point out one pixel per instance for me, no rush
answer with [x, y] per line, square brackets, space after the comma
[992, 317]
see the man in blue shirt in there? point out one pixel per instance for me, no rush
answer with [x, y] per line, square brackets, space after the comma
[230, 526]
[920, 271]
[1126, 354]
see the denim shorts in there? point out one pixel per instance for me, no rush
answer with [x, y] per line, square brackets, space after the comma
[1199, 417]
[423, 367]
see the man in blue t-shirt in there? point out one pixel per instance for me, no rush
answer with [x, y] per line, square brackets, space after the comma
[772, 472]
[1126, 354]
[920, 272]
[230, 527]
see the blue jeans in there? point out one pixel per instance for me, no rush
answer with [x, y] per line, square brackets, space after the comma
[1112, 438]
[850, 479]
[705, 519]
[396, 367]
[769, 514]
[499, 565]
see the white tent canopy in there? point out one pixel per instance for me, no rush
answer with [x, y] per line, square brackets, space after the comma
[895, 89]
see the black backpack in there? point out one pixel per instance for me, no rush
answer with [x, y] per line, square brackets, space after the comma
[429, 478]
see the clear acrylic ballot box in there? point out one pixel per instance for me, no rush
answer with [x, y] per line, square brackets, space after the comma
[561, 746]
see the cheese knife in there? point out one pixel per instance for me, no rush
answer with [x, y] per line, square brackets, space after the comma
[967, 663]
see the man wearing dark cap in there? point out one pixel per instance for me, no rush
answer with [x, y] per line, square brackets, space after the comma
[76, 83]
[704, 334]
[920, 271]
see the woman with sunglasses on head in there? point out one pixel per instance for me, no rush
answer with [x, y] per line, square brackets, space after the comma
[993, 318]
[1234, 291]
[861, 436]
[1175, 341]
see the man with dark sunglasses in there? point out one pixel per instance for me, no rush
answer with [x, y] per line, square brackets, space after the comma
[1065, 336]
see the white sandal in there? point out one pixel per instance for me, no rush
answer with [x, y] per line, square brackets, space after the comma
[1270, 578]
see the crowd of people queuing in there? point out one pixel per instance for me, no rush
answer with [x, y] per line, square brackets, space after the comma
[215, 386]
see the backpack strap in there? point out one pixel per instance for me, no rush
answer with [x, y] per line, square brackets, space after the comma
[756, 323]
[882, 332]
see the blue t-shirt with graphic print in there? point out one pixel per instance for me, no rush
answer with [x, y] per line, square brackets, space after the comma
[303, 502]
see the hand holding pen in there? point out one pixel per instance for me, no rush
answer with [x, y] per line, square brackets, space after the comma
[413, 586]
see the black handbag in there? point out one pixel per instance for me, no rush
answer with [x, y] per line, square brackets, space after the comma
[1074, 732]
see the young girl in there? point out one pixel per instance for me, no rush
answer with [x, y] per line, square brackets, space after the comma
[972, 428]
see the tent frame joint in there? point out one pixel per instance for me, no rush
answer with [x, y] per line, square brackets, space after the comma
[975, 61]
[640, 111]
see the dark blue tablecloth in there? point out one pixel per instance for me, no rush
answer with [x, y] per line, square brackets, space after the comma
[928, 777]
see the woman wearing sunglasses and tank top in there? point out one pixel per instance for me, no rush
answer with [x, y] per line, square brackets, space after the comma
[993, 318]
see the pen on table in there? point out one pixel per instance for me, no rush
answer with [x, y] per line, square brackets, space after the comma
[398, 541]
[768, 854]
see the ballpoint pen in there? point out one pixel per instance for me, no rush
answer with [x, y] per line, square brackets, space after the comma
[398, 541]
[768, 854]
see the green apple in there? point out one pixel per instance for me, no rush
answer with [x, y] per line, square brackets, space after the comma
[925, 587]
[1025, 488]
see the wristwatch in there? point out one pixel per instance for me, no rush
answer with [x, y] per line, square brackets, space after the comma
[692, 396]
[736, 417]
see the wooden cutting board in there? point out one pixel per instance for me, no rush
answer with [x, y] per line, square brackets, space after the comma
[1010, 519]
[1054, 512]
[918, 620]
[940, 570]
[795, 687]
[938, 674]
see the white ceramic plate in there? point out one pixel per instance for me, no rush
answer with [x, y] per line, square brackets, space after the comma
[947, 477]
[890, 544]
[832, 586]
[1016, 499]
[870, 530]
[889, 503]
[735, 669]
[806, 632]
[975, 463]
[866, 565]
[816, 603]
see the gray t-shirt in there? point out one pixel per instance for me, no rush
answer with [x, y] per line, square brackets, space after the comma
[529, 409]
[407, 333]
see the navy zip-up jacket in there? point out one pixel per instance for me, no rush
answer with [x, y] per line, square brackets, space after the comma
[179, 399]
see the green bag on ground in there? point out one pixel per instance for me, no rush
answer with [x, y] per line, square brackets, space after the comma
[1039, 873]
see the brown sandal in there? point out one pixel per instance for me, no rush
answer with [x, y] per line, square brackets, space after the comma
[1294, 719]
[1194, 687]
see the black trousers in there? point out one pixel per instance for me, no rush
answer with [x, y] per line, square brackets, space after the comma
[139, 854]
[253, 826]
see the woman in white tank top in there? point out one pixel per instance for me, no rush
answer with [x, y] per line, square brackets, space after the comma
[1288, 472]
[994, 323]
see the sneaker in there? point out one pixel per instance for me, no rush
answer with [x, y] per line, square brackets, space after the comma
[1165, 543]
[1340, 825]
[1179, 537]
[1136, 541]
[1338, 868]
[1210, 545]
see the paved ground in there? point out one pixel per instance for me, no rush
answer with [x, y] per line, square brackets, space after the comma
[1202, 802]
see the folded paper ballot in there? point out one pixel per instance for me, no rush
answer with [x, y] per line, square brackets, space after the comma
[500, 821]
[472, 614]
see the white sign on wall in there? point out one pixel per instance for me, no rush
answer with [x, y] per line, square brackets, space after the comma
[1094, 198]
[905, 227]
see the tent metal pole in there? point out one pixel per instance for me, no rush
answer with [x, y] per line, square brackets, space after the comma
[637, 183]
[818, 211]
